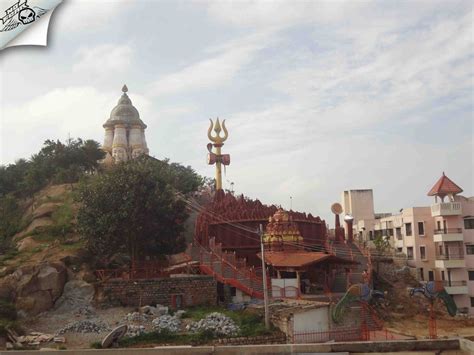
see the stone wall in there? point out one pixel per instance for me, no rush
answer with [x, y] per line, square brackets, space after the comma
[171, 292]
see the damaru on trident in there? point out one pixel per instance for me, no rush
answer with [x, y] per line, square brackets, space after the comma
[217, 142]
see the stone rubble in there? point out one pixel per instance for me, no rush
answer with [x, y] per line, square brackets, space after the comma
[167, 322]
[85, 326]
[135, 330]
[136, 317]
[216, 322]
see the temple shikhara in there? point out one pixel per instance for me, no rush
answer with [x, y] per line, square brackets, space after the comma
[124, 132]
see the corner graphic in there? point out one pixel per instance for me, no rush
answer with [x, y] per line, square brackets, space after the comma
[20, 14]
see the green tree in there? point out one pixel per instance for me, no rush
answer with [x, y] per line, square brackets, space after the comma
[56, 162]
[133, 207]
[381, 243]
[10, 220]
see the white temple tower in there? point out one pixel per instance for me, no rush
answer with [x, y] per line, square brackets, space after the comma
[124, 132]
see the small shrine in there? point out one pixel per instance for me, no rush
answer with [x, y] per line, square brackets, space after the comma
[294, 266]
[282, 233]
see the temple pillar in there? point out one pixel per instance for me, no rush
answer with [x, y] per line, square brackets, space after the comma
[298, 281]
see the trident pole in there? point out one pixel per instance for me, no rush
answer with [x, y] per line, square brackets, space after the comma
[264, 276]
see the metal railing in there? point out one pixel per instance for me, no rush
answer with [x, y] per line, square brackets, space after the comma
[447, 230]
[451, 255]
[447, 283]
[347, 334]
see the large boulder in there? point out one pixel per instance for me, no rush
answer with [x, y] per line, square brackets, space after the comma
[27, 243]
[77, 294]
[38, 287]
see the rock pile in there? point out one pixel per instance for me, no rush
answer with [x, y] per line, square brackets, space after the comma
[167, 322]
[85, 326]
[135, 330]
[216, 322]
[157, 311]
[136, 317]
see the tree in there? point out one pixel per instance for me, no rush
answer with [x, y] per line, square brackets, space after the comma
[55, 162]
[133, 207]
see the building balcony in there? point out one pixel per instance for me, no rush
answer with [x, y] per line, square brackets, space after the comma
[452, 260]
[456, 287]
[448, 235]
[446, 209]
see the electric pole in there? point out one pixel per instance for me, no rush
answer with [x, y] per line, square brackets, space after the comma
[264, 276]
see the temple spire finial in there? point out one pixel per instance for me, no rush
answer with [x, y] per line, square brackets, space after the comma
[124, 88]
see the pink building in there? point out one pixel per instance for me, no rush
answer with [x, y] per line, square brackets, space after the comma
[437, 240]
[453, 240]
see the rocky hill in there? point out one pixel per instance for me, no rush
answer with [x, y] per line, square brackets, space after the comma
[45, 254]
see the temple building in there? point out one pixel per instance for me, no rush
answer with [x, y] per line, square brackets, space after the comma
[124, 132]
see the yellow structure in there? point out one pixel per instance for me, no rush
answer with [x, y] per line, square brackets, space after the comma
[217, 142]
[281, 232]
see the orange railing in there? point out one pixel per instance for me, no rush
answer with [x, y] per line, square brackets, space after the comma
[228, 269]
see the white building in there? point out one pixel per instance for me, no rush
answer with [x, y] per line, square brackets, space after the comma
[438, 240]
[124, 132]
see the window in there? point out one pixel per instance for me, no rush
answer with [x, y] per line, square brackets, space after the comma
[400, 250]
[430, 275]
[438, 225]
[371, 235]
[422, 274]
[423, 253]
[398, 233]
[410, 253]
[472, 301]
[442, 275]
[469, 223]
[470, 249]
[421, 228]
[408, 229]
[471, 275]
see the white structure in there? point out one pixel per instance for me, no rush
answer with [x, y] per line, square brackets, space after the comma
[124, 132]
[438, 240]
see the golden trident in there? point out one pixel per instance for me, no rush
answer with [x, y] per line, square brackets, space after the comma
[216, 157]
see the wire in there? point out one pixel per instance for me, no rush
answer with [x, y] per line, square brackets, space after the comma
[195, 206]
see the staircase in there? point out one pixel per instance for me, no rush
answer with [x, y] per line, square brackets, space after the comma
[353, 252]
[226, 268]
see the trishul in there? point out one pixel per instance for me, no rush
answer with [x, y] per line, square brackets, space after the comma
[216, 157]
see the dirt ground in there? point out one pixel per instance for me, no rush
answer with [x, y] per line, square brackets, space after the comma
[51, 322]
[418, 326]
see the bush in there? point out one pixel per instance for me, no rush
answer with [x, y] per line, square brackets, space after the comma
[7, 311]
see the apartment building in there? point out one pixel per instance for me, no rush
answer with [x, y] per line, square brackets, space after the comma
[438, 240]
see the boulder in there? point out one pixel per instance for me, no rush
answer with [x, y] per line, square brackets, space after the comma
[46, 209]
[77, 294]
[27, 243]
[38, 287]
[35, 302]
[35, 226]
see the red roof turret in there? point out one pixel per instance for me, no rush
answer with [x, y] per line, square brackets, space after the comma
[444, 186]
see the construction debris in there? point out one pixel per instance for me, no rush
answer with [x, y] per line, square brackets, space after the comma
[85, 326]
[135, 330]
[216, 322]
[167, 322]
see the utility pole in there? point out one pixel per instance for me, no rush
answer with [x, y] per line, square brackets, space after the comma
[264, 276]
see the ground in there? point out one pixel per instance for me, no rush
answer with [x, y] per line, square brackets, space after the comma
[417, 326]
[51, 322]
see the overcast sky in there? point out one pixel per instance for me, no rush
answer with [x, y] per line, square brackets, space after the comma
[318, 96]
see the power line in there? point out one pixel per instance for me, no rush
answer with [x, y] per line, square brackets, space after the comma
[195, 206]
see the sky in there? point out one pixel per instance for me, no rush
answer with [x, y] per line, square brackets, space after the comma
[318, 96]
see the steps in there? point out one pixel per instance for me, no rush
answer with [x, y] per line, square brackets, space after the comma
[226, 268]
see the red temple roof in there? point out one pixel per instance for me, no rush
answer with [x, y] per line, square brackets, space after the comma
[444, 186]
[300, 258]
